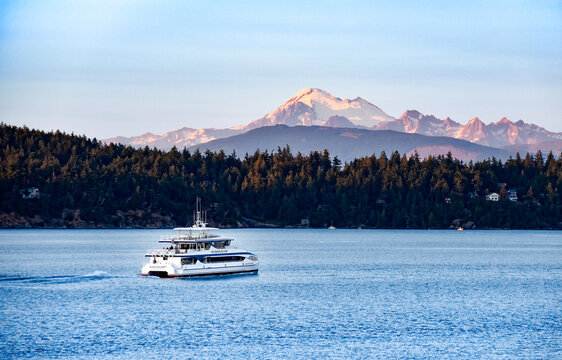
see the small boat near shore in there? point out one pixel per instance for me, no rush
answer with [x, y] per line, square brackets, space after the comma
[197, 251]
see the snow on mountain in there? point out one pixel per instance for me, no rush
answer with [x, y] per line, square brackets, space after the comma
[534, 134]
[180, 138]
[139, 140]
[473, 131]
[310, 107]
[315, 106]
[502, 133]
[412, 121]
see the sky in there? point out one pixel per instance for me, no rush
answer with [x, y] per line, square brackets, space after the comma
[124, 67]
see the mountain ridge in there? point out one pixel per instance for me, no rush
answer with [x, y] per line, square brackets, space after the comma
[316, 107]
[349, 143]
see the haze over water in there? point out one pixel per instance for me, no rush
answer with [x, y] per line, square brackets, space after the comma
[319, 294]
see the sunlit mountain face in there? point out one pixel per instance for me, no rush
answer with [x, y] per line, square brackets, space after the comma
[316, 107]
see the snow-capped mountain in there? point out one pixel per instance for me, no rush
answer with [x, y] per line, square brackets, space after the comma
[310, 107]
[413, 121]
[315, 107]
[502, 133]
[184, 137]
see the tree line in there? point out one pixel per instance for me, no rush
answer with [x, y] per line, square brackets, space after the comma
[83, 182]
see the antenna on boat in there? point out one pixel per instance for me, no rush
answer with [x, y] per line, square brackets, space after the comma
[199, 216]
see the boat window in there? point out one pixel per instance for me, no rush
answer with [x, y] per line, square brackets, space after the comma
[216, 259]
[188, 261]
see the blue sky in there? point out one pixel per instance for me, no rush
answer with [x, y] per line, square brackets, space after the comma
[123, 67]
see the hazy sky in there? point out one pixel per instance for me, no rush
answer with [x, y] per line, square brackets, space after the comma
[106, 68]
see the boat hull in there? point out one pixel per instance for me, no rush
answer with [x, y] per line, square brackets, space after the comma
[170, 271]
[253, 272]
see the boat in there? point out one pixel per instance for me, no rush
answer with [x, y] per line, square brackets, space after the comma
[198, 251]
[331, 227]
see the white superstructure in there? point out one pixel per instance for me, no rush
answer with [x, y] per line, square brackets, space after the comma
[196, 251]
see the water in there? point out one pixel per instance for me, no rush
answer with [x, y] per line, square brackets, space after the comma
[319, 294]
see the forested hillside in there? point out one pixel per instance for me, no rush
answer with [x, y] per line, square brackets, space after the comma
[60, 180]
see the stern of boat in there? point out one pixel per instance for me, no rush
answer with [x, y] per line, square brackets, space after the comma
[159, 270]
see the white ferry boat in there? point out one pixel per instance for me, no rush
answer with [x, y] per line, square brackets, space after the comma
[196, 251]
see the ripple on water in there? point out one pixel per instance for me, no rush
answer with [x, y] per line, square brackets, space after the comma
[344, 294]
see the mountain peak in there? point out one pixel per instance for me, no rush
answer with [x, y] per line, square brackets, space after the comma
[473, 131]
[308, 95]
[450, 122]
[313, 106]
[317, 107]
[503, 120]
[308, 91]
[338, 121]
[475, 122]
[413, 114]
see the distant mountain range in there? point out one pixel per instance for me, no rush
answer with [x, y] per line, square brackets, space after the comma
[503, 133]
[318, 108]
[349, 143]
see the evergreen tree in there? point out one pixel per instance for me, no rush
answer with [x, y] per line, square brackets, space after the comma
[83, 182]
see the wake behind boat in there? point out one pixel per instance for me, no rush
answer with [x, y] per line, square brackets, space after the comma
[196, 251]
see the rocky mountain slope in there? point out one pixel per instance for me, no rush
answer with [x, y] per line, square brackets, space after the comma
[184, 137]
[503, 133]
[316, 107]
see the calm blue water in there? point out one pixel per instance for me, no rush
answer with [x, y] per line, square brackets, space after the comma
[319, 294]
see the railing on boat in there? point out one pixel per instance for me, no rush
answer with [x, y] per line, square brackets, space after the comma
[176, 251]
[189, 237]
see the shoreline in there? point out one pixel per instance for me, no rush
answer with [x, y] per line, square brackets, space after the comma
[255, 227]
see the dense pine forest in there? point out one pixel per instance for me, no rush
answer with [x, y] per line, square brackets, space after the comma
[60, 180]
